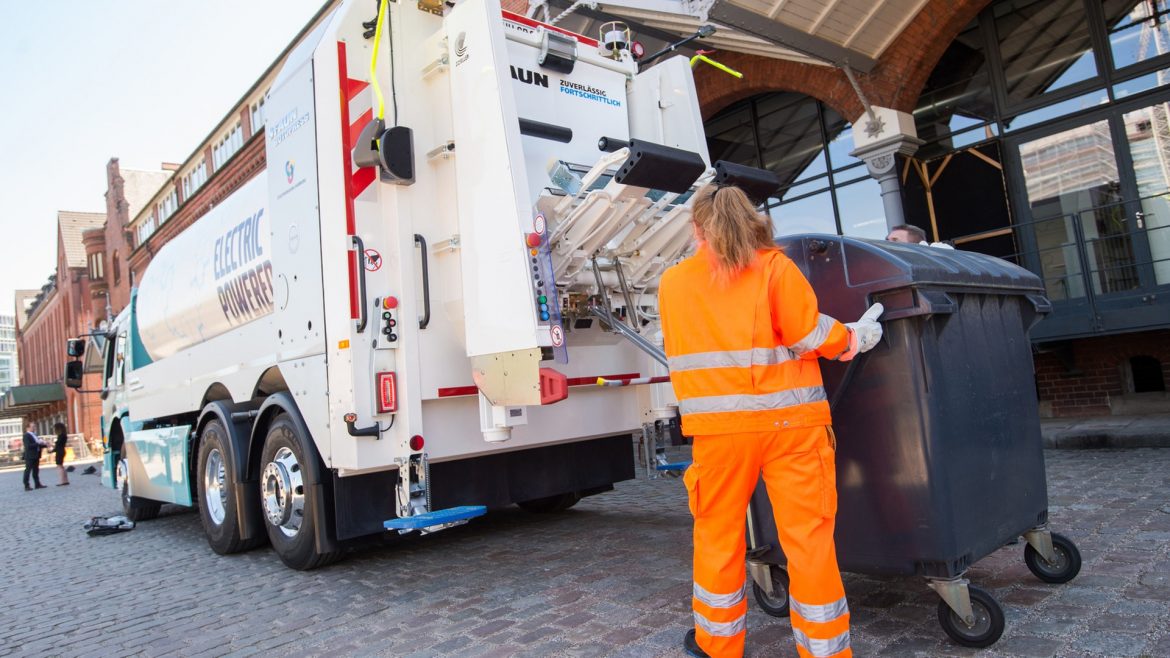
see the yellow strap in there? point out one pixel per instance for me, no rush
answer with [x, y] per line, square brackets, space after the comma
[374, 59]
[721, 67]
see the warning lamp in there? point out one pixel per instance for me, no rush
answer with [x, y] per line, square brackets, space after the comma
[390, 303]
[416, 442]
[533, 239]
[387, 393]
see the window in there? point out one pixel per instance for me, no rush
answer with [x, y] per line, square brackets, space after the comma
[227, 146]
[165, 208]
[1044, 46]
[824, 188]
[194, 179]
[145, 230]
[96, 271]
[118, 268]
[258, 115]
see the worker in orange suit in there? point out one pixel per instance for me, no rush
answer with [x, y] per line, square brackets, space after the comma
[742, 333]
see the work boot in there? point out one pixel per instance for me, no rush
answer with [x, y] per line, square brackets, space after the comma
[41, 486]
[691, 645]
[27, 488]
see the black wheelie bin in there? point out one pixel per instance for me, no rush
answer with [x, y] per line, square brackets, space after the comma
[939, 455]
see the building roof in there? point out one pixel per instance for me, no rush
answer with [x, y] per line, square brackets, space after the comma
[139, 186]
[71, 225]
[838, 32]
[24, 299]
[21, 400]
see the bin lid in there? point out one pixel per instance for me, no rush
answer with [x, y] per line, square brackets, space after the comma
[880, 265]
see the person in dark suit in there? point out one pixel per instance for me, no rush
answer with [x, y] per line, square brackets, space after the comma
[32, 458]
[59, 453]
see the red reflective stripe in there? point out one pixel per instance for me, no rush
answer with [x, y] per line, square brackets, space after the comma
[355, 130]
[362, 178]
[523, 20]
[346, 150]
[592, 381]
[354, 87]
[456, 391]
[353, 291]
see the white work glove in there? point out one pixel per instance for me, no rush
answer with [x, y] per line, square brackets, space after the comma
[865, 333]
[937, 245]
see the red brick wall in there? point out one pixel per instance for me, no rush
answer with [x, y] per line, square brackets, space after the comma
[245, 165]
[1098, 371]
[117, 219]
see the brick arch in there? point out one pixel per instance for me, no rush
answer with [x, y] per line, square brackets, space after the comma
[718, 90]
[895, 82]
[914, 54]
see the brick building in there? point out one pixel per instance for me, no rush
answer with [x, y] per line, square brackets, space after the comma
[59, 311]
[108, 247]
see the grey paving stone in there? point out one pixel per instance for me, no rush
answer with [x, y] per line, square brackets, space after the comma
[609, 578]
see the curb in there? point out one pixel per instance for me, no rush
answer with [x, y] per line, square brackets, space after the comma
[1080, 441]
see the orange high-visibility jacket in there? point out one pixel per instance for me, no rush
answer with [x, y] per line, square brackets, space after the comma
[743, 351]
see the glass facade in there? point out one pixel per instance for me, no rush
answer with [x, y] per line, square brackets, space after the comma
[823, 188]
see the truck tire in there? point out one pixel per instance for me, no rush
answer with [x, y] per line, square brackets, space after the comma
[291, 513]
[134, 508]
[216, 488]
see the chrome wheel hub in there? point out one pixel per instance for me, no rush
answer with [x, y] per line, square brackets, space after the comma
[215, 487]
[283, 491]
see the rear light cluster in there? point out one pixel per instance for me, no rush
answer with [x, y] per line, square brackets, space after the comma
[387, 393]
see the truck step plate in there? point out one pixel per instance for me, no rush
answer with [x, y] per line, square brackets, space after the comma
[673, 466]
[438, 517]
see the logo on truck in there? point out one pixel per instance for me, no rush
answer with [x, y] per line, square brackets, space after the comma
[289, 168]
[243, 272]
[529, 77]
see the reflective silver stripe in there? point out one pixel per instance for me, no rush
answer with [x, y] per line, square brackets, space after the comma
[778, 400]
[820, 613]
[760, 356]
[822, 648]
[718, 600]
[816, 337]
[722, 629]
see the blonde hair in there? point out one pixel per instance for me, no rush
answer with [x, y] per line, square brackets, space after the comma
[728, 222]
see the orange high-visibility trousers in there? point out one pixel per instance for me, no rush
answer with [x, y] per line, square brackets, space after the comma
[798, 469]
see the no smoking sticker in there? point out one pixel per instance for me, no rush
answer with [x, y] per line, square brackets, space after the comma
[372, 260]
[539, 224]
[558, 335]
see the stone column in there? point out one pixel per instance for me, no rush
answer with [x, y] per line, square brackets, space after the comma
[877, 140]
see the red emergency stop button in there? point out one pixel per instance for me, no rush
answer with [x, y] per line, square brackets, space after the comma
[390, 303]
[533, 240]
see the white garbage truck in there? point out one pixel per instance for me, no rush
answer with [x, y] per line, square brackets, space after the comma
[402, 321]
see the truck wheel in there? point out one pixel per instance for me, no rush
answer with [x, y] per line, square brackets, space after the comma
[290, 510]
[558, 503]
[134, 508]
[217, 493]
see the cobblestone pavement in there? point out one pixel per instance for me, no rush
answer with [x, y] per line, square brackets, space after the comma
[608, 578]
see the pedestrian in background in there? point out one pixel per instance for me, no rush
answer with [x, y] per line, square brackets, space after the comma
[32, 458]
[742, 333]
[59, 453]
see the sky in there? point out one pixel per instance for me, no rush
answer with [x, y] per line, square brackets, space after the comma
[87, 80]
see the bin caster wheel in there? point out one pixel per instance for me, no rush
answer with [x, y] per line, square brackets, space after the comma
[988, 625]
[775, 604]
[1065, 568]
